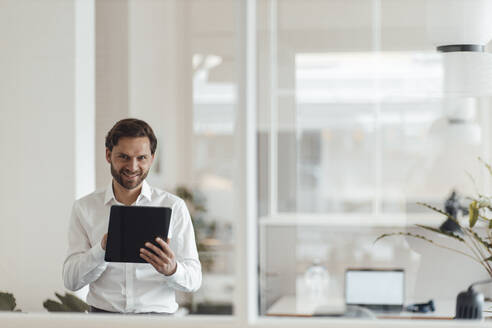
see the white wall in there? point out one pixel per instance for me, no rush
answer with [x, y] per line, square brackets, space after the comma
[38, 120]
[160, 83]
[111, 94]
[37, 166]
[140, 53]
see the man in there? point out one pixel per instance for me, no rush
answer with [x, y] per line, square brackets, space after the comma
[130, 287]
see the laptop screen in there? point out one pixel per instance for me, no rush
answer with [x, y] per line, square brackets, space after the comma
[368, 287]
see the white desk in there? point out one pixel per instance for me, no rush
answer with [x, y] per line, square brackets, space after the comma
[287, 306]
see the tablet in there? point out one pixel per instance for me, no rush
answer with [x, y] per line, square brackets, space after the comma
[130, 227]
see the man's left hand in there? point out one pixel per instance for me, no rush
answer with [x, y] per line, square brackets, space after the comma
[162, 259]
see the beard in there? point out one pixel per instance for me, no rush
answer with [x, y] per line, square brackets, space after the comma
[122, 177]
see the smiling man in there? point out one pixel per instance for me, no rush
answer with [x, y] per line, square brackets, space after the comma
[130, 287]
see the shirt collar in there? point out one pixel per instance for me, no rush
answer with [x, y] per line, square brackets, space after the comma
[145, 192]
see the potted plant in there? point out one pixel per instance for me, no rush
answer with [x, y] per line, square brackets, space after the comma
[67, 303]
[475, 235]
[7, 302]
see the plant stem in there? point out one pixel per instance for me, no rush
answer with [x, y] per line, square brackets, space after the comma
[469, 243]
[477, 239]
[460, 252]
[475, 248]
[484, 256]
[479, 251]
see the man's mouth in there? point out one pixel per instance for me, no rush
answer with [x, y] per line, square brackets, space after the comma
[130, 175]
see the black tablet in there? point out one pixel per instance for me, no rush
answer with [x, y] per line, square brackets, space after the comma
[130, 227]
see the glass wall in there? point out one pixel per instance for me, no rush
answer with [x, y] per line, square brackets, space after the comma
[214, 42]
[355, 127]
[174, 64]
[357, 122]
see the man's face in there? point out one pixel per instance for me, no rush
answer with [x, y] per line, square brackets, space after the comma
[130, 161]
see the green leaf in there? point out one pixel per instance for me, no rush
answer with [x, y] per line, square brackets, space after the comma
[483, 202]
[200, 208]
[435, 209]
[444, 233]
[53, 306]
[487, 165]
[68, 303]
[485, 219]
[7, 302]
[473, 213]
[74, 303]
[403, 234]
[480, 216]
[479, 239]
[473, 182]
[184, 193]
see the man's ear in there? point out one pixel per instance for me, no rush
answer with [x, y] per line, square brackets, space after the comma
[108, 155]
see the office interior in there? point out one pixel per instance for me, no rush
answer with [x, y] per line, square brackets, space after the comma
[303, 129]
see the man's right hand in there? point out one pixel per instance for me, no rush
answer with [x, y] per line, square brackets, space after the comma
[104, 241]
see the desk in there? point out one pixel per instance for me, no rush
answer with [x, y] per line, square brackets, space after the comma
[287, 306]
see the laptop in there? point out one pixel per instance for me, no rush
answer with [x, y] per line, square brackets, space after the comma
[379, 290]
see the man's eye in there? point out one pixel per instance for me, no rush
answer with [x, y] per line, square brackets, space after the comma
[124, 156]
[141, 158]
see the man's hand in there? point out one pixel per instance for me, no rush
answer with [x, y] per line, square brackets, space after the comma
[162, 259]
[104, 241]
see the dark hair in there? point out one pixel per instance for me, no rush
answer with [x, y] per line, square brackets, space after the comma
[133, 128]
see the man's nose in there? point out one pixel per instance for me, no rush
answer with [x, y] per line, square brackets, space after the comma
[133, 165]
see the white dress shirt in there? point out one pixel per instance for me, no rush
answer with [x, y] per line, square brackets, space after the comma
[128, 287]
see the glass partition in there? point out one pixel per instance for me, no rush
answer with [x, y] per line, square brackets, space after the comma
[357, 124]
[197, 122]
[355, 128]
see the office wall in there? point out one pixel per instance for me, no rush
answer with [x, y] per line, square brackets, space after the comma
[37, 121]
[160, 88]
[37, 138]
[112, 76]
[141, 49]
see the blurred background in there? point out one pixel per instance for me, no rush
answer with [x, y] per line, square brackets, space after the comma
[358, 118]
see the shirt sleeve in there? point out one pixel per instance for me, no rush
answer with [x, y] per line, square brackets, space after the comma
[84, 263]
[188, 275]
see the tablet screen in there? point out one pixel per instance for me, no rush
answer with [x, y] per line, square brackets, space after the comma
[130, 227]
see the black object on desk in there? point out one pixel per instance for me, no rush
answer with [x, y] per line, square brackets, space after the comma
[469, 304]
[130, 227]
[421, 307]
